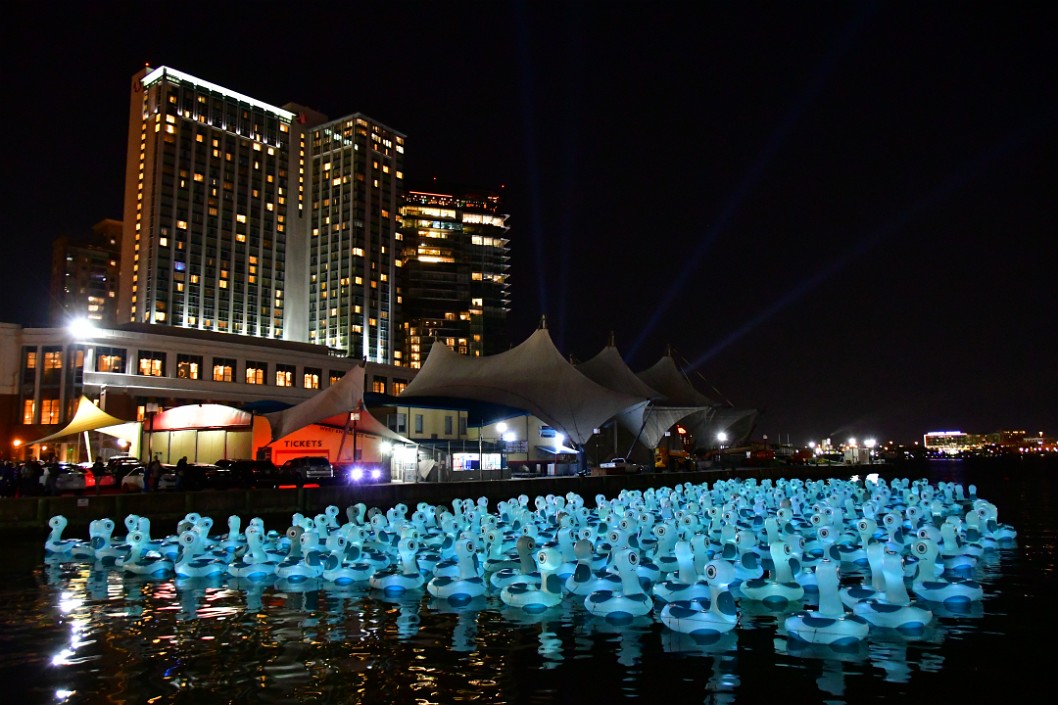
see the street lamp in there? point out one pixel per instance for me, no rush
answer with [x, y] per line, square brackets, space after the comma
[151, 408]
[721, 440]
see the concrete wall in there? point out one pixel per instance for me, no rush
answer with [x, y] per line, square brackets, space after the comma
[29, 516]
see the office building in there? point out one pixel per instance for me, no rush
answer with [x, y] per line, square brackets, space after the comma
[455, 273]
[85, 273]
[251, 219]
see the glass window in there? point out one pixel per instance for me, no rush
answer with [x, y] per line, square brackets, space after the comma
[255, 372]
[151, 364]
[312, 378]
[52, 365]
[110, 360]
[29, 369]
[335, 377]
[285, 375]
[448, 425]
[378, 385]
[189, 366]
[223, 369]
[418, 423]
[27, 411]
[49, 411]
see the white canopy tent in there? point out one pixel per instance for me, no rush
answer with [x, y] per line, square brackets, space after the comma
[332, 407]
[647, 423]
[532, 376]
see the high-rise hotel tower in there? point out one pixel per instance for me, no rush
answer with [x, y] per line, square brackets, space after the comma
[456, 282]
[246, 218]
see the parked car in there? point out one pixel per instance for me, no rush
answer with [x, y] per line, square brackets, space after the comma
[121, 465]
[362, 473]
[257, 473]
[619, 466]
[68, 477]
[133, 481]
[308, 467]
[106, 479]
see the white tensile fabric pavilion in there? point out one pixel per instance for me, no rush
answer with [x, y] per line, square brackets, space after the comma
[332, 407]
[532, 376]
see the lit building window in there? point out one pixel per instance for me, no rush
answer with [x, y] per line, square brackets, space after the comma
[223, 370]
[49, 411]
[152, 364]
[255, 372]
[284, 375]
[188, 367]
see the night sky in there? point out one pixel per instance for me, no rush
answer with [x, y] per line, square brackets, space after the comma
[842, 214]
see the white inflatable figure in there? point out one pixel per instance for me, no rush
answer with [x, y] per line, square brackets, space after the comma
[631, 601]
[465, 586]
[929, 586]
[55, 544]
[717, 615]
[894, 610]
[193, 561]
[255, 564]
[779, 587]
[829, 624]
[686, 585]
[405, 575]
[549, 593]
[141, 560]
[524, 572]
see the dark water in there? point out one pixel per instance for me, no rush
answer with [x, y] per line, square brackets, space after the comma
[72, 635]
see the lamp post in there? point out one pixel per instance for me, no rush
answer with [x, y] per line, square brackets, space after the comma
[870, 443]
[721, 439]
[151, 408]
[354, 417]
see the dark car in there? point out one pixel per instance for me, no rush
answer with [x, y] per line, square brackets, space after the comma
[121, 465]
[256, 473]
[309, 467]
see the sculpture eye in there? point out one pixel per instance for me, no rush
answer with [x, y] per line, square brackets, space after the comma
[824, 532]
[861, 525]
[710, 571]
[633, 558]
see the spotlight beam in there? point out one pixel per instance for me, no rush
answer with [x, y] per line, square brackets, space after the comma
[756, 170]
[1010, 143]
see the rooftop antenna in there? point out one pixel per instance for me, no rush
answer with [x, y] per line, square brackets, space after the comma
[543, 322]
[612, 343]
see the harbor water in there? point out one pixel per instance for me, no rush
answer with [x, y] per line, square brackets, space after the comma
[72, 634]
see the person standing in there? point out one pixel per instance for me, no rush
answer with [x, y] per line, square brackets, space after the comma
[181, 473]
[98, 470]
[154, 472]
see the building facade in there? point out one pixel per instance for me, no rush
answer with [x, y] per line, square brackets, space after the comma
[454, 277]
[245, 218]
[133, 369]
[85, 273]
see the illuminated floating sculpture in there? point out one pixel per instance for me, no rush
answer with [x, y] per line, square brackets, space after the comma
[830, 623]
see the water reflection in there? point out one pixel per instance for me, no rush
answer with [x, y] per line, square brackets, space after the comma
[96, 634]
[279, 631]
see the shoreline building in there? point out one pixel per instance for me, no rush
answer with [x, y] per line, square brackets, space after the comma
[85, 273]
[456, 258]
[247, 218]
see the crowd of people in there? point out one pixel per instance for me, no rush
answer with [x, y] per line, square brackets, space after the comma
[39, 478]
